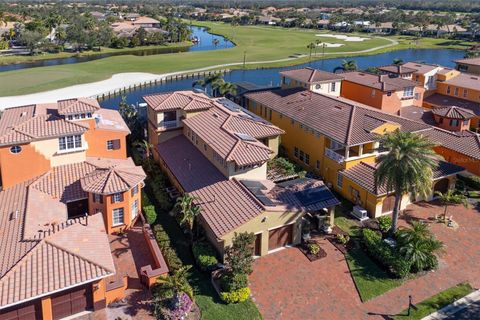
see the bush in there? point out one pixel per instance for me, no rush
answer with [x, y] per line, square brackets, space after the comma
[384, 223]
[171, 258]
[150, 214]
[313, 248]
[471, 181]
[343, 238]
[204, 254]
[233, 282]
[236, 296]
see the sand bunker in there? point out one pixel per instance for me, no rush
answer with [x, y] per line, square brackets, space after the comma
[330, 45]
[342, 37]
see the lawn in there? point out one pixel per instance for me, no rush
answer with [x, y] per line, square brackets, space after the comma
[370, 280]
[212, 308]
[259, 43]
[436, 302]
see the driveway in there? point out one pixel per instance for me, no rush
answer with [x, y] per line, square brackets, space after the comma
[286, 285]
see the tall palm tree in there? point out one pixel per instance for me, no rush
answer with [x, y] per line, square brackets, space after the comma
[317, 43]
[189, 211]
[347, 65]
[311, 46]
[449, 198]
[406, 168]
[146, 146]
[208, 80]
[226, 88]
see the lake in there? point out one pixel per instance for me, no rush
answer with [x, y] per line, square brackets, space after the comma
[270, 76]
[206, 43]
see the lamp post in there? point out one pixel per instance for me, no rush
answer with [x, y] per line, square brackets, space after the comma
[244, 58]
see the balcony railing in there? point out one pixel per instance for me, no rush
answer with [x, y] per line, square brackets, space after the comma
[332, 154]
[168, 124]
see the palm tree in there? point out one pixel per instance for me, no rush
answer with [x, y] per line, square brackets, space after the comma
[311, 46]
[208, 80]
[176, 284]
[418, 246]
[406, 168]
[317, 43]
[451, 198]
[146, 146]
[347, 65]
[226, 88]
[397, 61]
[189, 211]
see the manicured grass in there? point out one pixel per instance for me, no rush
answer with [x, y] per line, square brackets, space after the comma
[260, 43]
[212, 308]
[370, 280]
[436, 302]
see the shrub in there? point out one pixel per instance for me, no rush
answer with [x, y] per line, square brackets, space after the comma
[313, 248]
[150, 214]
[233, 282]
[471, 181]
[204, 254]
[384, 223]
[236, 296]
[343, 238]
[173, 261]
[239, 256]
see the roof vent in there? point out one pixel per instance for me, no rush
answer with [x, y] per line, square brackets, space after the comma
[14, 215]
[215, 115]
[339, 107]
[23, 114]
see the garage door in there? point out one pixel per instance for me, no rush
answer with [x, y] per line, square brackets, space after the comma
[72, 302]
[30, 311]
[280, 237]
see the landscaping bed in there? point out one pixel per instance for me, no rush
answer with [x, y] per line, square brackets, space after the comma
[312, 255]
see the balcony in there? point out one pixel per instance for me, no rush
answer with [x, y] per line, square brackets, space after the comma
[168, 124]
[334, 155]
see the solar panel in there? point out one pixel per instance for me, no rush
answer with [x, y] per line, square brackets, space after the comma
[314, 195]
[253, 184]
[265, 200]
[245, 137]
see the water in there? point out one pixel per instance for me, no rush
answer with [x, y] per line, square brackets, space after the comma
[206, 43]
[270, 77]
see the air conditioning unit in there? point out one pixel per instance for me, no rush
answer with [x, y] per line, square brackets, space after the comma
[359, 213]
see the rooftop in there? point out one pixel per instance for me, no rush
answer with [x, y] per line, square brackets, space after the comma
[184, 100]
[418, 114]
[442, 101]
[473, 61]
[421, 68]
[380, 82]
[364, 175]
[342, 120]
[397, 69]
[465, 80]
[310, 75]
[453, 112]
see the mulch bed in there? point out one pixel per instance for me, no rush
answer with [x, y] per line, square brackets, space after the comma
[312, 257]
[333, 240]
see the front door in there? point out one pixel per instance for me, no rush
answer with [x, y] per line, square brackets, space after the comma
[280, 237]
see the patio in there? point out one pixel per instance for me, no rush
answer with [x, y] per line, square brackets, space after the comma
[286, 285]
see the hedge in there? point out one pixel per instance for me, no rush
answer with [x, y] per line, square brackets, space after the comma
[173, 261]
[150, 214]
[471, 181]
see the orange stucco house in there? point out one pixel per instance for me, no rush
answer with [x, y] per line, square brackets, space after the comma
[67, 189]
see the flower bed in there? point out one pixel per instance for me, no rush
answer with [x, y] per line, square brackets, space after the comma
[333, 238]
[312, 254]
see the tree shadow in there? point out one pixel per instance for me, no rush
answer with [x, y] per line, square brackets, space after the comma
[384, 316]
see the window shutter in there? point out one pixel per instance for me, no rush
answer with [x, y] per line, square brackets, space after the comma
[121, 197]
[116, 144]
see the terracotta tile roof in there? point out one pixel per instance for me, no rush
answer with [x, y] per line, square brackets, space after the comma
[107, 119]
[142, 20]
[78, 253]
[453, 112]
[397, 69]
[464, 142]
[421, 68]
[473, 61]
[465, 80]
[418, 114]
[185, 100]
[342, 120]
[363, 174]
[111, 180]
[380, 82]
[225, 204]
[78, 105]
[228, 134]
[440, 100]
[310, 75]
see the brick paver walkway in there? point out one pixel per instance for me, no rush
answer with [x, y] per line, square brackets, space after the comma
[286, 285]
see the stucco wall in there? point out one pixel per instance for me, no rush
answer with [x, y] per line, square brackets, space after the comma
[50, 150]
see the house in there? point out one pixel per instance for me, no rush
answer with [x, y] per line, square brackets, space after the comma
[337, 139]
[312, 79]
[400, 71]
[383, 92]
[218, 152]
[98, 15]
[468, 65]
[127, 28]
[383, 27]
[68, 189]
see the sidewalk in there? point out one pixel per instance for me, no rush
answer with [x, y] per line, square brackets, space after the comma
[455, 307]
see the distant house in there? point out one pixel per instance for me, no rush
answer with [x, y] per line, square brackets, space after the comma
[323, 23]
[98, 15]
[126, 29]
[384, 27]
[131, 16]
[269, 20]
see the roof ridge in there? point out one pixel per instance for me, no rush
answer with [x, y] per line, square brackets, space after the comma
[350, 125]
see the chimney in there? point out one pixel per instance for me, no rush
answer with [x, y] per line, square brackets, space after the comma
[381, 79]
[399, 69]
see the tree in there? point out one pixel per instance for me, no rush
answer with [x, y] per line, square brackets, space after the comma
[208, 80]
[189, 211]
[449, 198]
[347, 65]
[146, 146]
[239, 256]
[32, 40]
[176, 284]
[223, 88]
[397, 61]
[311, 46]
[418, 246]
[406, 168]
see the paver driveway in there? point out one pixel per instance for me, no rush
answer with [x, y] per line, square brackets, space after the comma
[286, 285]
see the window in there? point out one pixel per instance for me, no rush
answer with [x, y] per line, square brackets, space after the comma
[448, 89]
[205, 146]
[70, 142]
[318, 164]
[113, 144]
[417, 96]
[455, 92]
[408, 92]
[77, 116]
[295, 152]
[117, 216]
[307, 158]
[334, 86]
[465, 93]
[97, 198]
[15, 149]
[83, 116]
[389, 93]
[339, 179]
[270, 114]
[454, 122]
[117, 197]
[334, 145]
[134, 190]
[301, 156]
[134, 209]
[465, 122]
[440, 120]
[70, 117]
